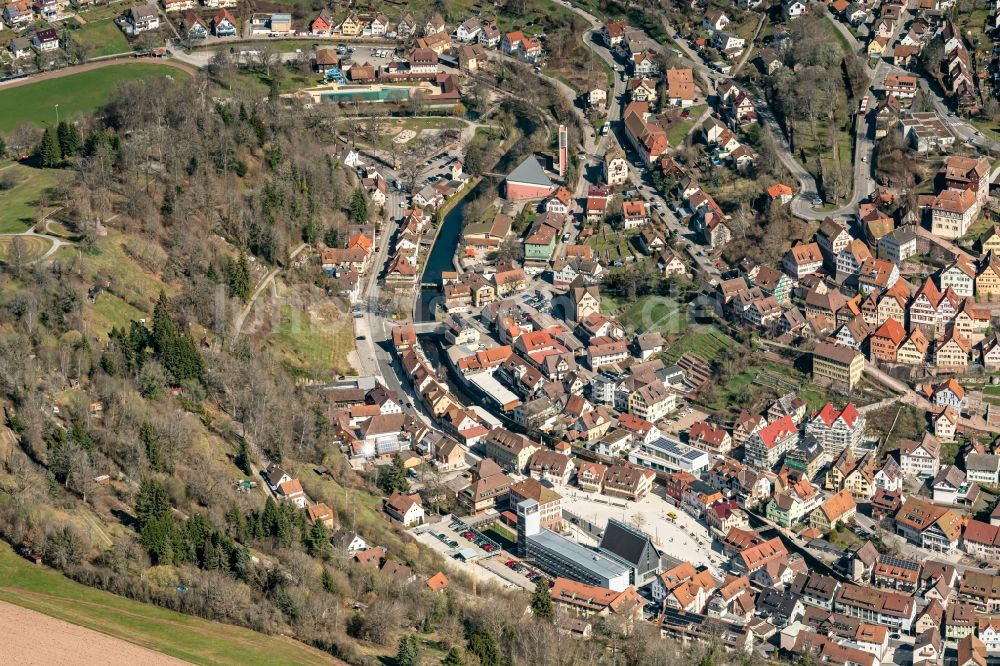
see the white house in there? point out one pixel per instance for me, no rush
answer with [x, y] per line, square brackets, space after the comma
[899, 245]
[379, 25]
[291, 491]
[715, 20]
[349, 541]
[982, 468]
[276, 476]
[950, 394]
[469, 31]
[989, 634]
[142, 19]
[960, 276]
[947, 484]
[728, 43]
[803, 259]
[794, 8]
[405, 508]
[920, 459]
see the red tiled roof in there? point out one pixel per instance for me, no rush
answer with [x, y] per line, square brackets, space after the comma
[891, 330]
[778, 429]
[437, 582]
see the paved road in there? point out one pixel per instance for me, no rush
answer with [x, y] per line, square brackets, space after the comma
[864, 148]
[911, 397]
[374, 328]
[962, 130]
[568, 93]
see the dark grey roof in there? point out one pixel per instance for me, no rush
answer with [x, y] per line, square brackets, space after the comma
[807, 448]
[866, 552]
[667, 563]
[274, 474]
[902, 235]
[630, 545]
[529, 171]
[343, 538]
[815, 585]
[647, 341]
[982, 462]
[143, 12]
[776, 604]
[951, 475]
[676, 449]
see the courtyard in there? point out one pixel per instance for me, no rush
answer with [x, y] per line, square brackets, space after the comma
[679, 536]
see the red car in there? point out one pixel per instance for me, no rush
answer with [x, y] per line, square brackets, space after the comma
[488, 547]
[509, 563]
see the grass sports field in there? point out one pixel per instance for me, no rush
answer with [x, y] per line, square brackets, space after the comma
[75, 94]
[189, 638]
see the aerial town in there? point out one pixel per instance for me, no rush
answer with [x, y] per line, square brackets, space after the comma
[676, 320]
[594, 451]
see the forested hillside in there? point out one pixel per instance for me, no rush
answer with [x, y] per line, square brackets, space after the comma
[133, 409]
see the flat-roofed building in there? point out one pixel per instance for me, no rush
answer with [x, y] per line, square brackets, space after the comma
[669, 455]
[559, 556]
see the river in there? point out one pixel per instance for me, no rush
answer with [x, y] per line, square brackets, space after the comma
[442, 255]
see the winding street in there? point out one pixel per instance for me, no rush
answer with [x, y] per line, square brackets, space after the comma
[808, 190]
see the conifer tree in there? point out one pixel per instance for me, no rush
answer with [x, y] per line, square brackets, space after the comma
[409, 651]
[541, 600]
[152, 502]
[359, 206]
[68, 139]
[239, 278]
[453, 658]
[49, 155]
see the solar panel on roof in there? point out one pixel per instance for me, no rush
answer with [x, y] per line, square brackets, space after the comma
[898, 562]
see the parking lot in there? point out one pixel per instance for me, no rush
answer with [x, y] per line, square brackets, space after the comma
[483, 574]
[680, 537]
[458, 539]
[374, 55]
[475, 554]
[686, 418]
[512, 570]
[436, 167]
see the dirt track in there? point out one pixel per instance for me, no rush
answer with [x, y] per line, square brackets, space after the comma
[69, 71]
[30, 639]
